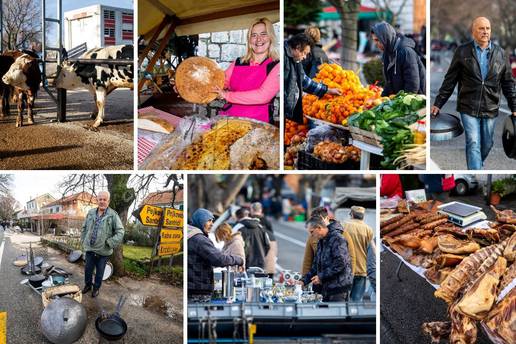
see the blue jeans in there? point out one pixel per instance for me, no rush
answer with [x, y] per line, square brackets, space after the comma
[358, 288]
[97, 262]
[479, 139]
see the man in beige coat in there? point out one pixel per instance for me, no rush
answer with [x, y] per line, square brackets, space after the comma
[361, 236]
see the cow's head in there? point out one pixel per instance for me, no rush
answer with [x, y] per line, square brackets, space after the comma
[67, 77]
[20, 71]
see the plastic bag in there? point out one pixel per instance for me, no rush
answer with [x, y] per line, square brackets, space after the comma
[319, 134]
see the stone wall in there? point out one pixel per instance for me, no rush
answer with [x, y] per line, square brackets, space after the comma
[224, 48]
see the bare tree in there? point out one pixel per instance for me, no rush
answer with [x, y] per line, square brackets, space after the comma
[5, 184]
[213, 192]
[124, 189]
[386, 7]
[21, 23]
[8, 206]
[348, 11]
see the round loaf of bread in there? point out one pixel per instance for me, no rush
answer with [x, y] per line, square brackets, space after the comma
[196, 77]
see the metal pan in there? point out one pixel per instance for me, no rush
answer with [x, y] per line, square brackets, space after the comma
[509, 137]
[445, 127]
[112, 327]
[108, 271]
[28, 271]
[75, 256]
[36, 280]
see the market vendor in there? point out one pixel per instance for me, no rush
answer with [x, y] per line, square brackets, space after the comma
[203, 256]
[331, 268]
[317, 55]
[295, 79]
[403, 69]
[252, 81]
[101, 233]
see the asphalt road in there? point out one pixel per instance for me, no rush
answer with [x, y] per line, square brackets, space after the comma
[145, 316]
[451, 155]
[291, 237]
[407, 303]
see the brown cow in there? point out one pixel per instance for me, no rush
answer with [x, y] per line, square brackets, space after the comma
[24, 75]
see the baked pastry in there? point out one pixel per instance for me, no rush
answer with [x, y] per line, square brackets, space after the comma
[257, 150]
[196, 77]
[154, 123]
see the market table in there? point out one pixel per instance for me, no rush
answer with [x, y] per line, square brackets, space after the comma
[367, 150]
[283, 319]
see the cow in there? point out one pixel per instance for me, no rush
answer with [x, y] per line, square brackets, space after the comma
[99, 79]
[24, 77]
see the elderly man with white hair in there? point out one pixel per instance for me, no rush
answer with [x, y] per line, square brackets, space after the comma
[101, 233]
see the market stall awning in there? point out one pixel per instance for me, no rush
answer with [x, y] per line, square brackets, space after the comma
[56, 216]
[197, 17]
[366, 13]
[357, 194]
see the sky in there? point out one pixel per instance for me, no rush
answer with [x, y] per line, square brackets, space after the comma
[27, 186]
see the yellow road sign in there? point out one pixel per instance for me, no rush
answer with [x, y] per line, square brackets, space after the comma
[168, 249]
[173, 218]
[3, 327]
[150, 215]
[171, 236]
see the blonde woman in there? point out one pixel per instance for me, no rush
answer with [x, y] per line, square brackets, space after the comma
[233, 242]
[252, 81]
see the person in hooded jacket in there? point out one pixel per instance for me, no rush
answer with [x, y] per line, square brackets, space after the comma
[403, 69]
[331, 268]
[255, 238]
[203, 256]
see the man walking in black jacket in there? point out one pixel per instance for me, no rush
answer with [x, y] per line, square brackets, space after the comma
[482, 72]
[331, 268]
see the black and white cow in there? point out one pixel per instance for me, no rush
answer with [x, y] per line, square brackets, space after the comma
[99, 79]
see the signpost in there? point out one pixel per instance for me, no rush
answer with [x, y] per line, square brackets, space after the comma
[169, 222]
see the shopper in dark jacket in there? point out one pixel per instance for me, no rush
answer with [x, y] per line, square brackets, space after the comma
[482, 72]
[295, 80]
[203, 256]
[402, 67]
[331, 268]
[255, 238]
[317, 56]
[272, 254]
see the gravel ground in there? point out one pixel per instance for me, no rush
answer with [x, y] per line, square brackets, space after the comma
[70, 145]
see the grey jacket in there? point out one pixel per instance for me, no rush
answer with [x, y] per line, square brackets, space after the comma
[110, 233]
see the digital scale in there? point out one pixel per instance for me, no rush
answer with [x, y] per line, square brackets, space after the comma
[462, 214]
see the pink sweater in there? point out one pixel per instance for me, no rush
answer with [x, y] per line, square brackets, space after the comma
[262, 95]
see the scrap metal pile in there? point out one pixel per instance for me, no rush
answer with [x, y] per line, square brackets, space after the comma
[473, 267]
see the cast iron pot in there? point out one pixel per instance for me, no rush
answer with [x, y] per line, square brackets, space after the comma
[509, 137]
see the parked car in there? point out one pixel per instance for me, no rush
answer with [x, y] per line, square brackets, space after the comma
[465, 183]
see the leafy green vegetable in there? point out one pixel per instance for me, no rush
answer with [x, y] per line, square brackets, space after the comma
[391, 121]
